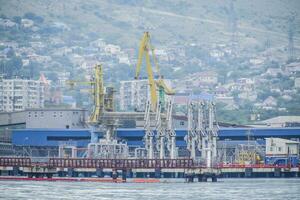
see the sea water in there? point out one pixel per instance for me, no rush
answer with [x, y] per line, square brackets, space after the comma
[170, 189]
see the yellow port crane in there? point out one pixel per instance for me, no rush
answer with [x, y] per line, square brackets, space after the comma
[102, 102]
[160, 85]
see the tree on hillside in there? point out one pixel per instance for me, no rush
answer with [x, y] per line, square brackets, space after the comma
[11, 67]
[17, 19]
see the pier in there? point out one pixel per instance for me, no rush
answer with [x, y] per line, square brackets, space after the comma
[137, 168]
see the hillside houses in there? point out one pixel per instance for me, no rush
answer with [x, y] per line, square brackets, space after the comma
[6, 23]
[274, 72]
[205, 78]
[293, 68]
[243, 85]
[297, 82]
[243, 80]
[269, 103]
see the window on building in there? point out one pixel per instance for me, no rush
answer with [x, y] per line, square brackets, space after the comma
[181, 123]
[279, 148]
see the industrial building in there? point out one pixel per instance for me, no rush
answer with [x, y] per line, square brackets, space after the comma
[282, 151]
[56, 118]
[45, 142]
[134, 137]
[20, 94]
[281, 121]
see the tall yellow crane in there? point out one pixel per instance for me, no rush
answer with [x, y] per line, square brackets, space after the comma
[144, 51]
[101, 102]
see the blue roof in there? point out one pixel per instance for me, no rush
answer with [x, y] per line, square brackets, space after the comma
[259, 132]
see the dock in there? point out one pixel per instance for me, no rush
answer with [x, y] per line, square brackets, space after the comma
[137, 168]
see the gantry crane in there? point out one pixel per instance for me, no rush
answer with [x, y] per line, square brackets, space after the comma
[103, 98]
[155, 85]
[165, 134]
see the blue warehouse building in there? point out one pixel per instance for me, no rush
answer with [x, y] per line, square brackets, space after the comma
[134, 137]
[50, 137]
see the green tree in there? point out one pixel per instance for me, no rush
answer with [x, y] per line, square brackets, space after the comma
[17, 19]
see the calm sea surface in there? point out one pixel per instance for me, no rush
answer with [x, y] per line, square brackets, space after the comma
[282, 189]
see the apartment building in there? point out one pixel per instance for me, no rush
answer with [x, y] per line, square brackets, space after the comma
[20, 94]
[135, 93]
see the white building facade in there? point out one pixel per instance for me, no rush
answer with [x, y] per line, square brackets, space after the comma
[19, 94]
[56, 118]
[135, 93]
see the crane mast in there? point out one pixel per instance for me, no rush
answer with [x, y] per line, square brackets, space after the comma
[155, 85]
[101, 103]
[144, 52]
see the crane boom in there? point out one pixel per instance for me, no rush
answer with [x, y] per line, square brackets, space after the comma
[144, 48]
[144, 51]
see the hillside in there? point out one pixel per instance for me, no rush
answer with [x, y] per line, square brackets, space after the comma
[243, 45]
[170, 21]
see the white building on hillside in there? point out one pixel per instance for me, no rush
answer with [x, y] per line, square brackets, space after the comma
[135, 93]
[19, 94]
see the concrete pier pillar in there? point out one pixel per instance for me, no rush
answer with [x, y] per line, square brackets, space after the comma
[70, 172]
[200, 176]
[173, 175]
[129, 173]
[214, 178]
[248, 172]
[124, 174]
[190, 178]
[157, 173]
[49, 175]
[62, 174]
[147, 175]
[277, 172]
[99, 172]
[87, 174]
[134, 174]
[114, 174]
[15, 171]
